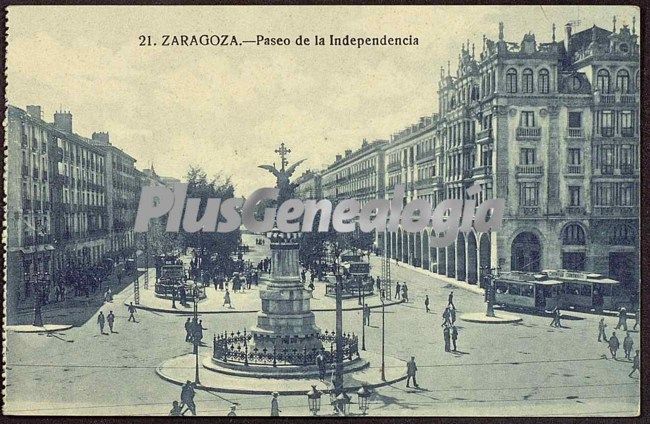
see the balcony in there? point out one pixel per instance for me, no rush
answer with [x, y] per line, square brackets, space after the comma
[484, 136]
[529, 210]
[607, 169]
[428, 182]
[426, 155]
[27, 204]
[529, 170]
[529, 133]
[25, 170]
[485, 170]
[627, 132]
[394, 166]
[629, 99]
[44, 175]
[615, 211]
[607, 131]
[36, 173]
[627, 169]
[575, 169]
[607, 99]
[575, 210]
[575, 133]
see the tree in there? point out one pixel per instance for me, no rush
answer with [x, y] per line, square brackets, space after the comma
[210, 244]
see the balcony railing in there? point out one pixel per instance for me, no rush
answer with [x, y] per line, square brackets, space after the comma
[393, 166]
[614, 211]
[529, 210]
[530, 169]
[607, 131]
[575, 169]
[25, 170]
[574, 133]
[483, 135]
[628, 99]
[428, 182]
[627, 132]
[427, 154]
[35, 173]
[607, 169]
[482, 171]
[607, 99]
[627, 169]
[574, 210]
[529, 133]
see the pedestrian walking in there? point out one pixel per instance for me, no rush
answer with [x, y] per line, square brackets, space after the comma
[450, 299]
[613, 344]
[226, 299]
[636, 362]
[601, 330]
[110, 318]
[405, 293]
[445, 317]
[198, 332]
[101, 321]
[627, 345]
[378, 282]
[454, 336]
[320, 361]
[452, 315]
[187, 397]
[366, 314]
[446, 335]
[426, 303]
[108, 296]
[188, 330]
[132, 310]
[232, 411]
[622, 319]
[275, 408]
[397, 290]
[556, 318]
[411, 368]
[636, 318]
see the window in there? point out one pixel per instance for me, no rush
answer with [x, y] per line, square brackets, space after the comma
[528, 194]
[574, 196]
[626, 159]
[623, 81]
[627, 126]
[602, 81]
[527, 156]
[604, 194]
[607, 123]
[527, 80]
[511, 81]
[574, 156]
[607, 159]
[543, 81]
[527, 119]
[622, 235]
[575, 119]
[627, 194]
[575, 83]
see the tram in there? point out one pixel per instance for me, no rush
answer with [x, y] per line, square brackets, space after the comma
[583, 290]
[523, 290]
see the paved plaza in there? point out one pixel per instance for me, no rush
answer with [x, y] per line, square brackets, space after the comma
[525, 368]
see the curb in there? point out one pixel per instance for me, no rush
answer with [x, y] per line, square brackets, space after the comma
[47, 328]
[480, 318]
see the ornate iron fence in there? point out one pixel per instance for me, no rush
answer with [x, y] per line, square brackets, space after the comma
[234, 347]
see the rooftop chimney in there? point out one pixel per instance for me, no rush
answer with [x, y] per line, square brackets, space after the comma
[339, 157]
[103, 137]
[34, 111]
[567, 36]
[348, 153]
[63, 121]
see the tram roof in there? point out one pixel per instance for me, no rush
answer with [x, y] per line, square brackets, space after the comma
[578, 277]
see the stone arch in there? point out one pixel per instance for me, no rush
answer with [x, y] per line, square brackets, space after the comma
[461, 262]
[574, 233]
[526, 252]
[472, 258]
[426, 251]
[484, 256]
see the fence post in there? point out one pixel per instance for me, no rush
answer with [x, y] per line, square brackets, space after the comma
[274, 361]
[245, 349]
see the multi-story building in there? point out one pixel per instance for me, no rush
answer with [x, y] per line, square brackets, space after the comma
[356, 175]
[308, 185]
[123, 186]
[553, 129]
[56, 211]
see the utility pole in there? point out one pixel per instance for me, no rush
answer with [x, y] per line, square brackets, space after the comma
[383, 335]
[338, 375]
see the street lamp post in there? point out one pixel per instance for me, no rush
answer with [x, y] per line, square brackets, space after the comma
[338, 377]
[383, 334]
[363, 326]
[196, 342]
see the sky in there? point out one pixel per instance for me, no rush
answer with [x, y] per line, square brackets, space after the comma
[227, 108]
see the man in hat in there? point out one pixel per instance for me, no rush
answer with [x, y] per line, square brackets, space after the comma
[622, 319]
[601, 330]
[101, 321]
[636, 362]
[426, 303]
[627, 345]
[411, 368]
[187, 397]
[613, 344]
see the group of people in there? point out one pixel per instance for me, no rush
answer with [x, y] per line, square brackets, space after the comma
[110, 319]
[401, 291]
[260, 241]
[188, 391]
[194, 331]
[264, 265]
[614, 344]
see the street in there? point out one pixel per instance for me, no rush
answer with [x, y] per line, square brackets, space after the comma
[525, 368]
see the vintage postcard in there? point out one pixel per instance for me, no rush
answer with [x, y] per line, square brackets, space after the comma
[322, 211]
